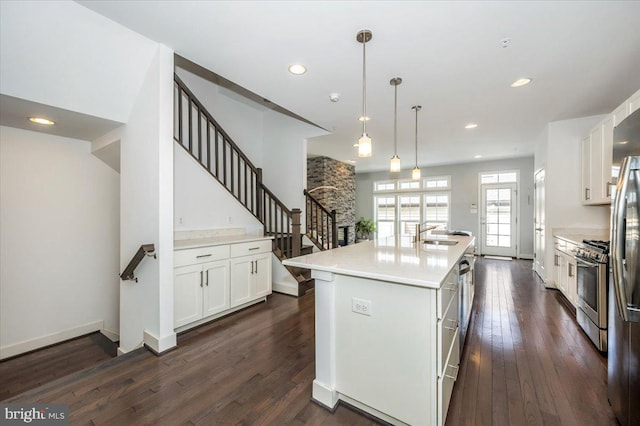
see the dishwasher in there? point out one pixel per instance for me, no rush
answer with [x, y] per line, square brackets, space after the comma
[466, 293]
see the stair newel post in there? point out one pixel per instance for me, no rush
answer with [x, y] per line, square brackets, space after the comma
[295, 232]
[334, 229]
[259, 196]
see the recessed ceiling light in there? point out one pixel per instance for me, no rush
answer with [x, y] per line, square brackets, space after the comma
[521, 82]
[623, 143]
[471, 126]
[351, 161]
[355, 145]
[297, 69]
[477, 156]
[364, 118]
[41, 120]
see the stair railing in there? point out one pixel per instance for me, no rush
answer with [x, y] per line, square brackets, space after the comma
[205, 140]
[144, 250]
[322, 226]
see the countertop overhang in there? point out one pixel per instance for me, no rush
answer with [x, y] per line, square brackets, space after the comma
[392, 259]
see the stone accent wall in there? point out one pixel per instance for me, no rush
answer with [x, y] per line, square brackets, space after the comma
[325, 171]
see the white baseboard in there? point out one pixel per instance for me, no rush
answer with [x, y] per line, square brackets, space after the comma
[525, 256]
[50, 339]
[111, 335]
[286, 288]
[160, 344]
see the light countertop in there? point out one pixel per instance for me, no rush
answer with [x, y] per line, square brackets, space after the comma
[576, 236]
[390, 259]
[217, 241]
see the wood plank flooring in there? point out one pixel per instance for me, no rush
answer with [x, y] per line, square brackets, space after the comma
[526, 362]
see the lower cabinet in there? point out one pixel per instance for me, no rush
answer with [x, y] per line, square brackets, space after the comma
[210, 281]
[564, 272]
[251, 278]
[200, 291]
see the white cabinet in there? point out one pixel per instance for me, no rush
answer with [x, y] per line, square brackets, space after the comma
[250, 278]
[597, 151]
[199, 291]
[564, 270]
[212, 281]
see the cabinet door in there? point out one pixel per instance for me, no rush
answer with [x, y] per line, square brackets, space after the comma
[187, 295]
[216, 287]
[572, 282]
[596, 180]
[262, 275]
[242, 270]
[559, 274]
[586, 170]
[607, 159]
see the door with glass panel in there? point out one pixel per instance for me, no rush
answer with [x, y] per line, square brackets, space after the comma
[498, 220]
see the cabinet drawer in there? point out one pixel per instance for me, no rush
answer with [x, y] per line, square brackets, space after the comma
[254, 247]
[448, 290]
[447, 379]
[200, 255]
[448, 328]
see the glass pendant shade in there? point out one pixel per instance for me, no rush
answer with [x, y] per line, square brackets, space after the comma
[364, 146]
[395, 164]
[415, 173]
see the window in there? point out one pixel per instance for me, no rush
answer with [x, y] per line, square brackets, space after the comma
[384, 186]
[436, 209]
[385, 212]
[500, 177]
[407, 203]
[409, 214]
[438, 183]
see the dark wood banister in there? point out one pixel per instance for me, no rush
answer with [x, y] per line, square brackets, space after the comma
[238, 175]
[312, 205]
[144, 250]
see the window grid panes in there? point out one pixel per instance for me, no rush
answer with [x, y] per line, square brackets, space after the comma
[498, 217]
[436, 209]
[409, 214]
[500, 177]
[385, 216]
[408, 184]
[384, 186]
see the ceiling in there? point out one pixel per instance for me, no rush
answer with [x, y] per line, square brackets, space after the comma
[583, 56]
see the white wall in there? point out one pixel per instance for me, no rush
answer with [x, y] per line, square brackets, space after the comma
[560, 157]
[59, 241]
[62, 54]
[146, 306]
[201, 202]
[464, 192]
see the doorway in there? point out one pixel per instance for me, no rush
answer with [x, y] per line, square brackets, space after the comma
[498, 219]
[539, 224]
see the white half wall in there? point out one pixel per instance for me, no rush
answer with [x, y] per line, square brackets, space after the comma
[146, 210]
[62, 54]
[59, 241]
[201, 202]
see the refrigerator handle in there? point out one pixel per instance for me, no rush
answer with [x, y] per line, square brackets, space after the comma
[617, 239]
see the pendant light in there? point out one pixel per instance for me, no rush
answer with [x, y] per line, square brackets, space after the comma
[364, 143]
[415, 173]
[394, 166]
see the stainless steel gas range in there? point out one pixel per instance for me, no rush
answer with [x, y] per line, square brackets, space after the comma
[593, 279]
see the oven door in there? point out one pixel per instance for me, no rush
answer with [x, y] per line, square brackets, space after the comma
[592, 291]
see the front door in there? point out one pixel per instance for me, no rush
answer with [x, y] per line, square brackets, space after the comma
[539, 219]
[498, 221]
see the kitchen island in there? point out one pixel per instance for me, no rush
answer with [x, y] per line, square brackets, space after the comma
[387, 326]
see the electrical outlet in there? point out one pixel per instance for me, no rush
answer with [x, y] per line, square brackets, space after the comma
[229, 220]
[180, 220]
[361, 306]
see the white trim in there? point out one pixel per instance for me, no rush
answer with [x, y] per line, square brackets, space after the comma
[324, 395]
[111, 335]
[160, 344]
[285, 288]
[219, 315]
[526, 256]
[49, 339]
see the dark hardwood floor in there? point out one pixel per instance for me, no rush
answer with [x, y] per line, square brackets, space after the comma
[526, 362]
[34, 369]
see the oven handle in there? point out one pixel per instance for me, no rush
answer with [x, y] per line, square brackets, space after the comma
[589, 264]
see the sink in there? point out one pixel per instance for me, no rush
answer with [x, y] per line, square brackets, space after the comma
[441, 242]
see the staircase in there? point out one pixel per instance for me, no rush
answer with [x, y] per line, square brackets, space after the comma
[205, 140]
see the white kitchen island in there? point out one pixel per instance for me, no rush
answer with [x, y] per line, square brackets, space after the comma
[387, 327]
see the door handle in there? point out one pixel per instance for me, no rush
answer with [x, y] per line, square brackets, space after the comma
[252, 267]
[207, 282]
[201, 279]
[618, 232]
[256, 266]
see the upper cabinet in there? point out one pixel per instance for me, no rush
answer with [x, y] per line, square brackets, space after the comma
[597, 152]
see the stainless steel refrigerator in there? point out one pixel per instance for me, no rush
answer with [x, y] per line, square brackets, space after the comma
[624, 283]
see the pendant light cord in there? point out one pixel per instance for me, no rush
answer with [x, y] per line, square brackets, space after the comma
[395, 122]
[416, 137]
[364, 84]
